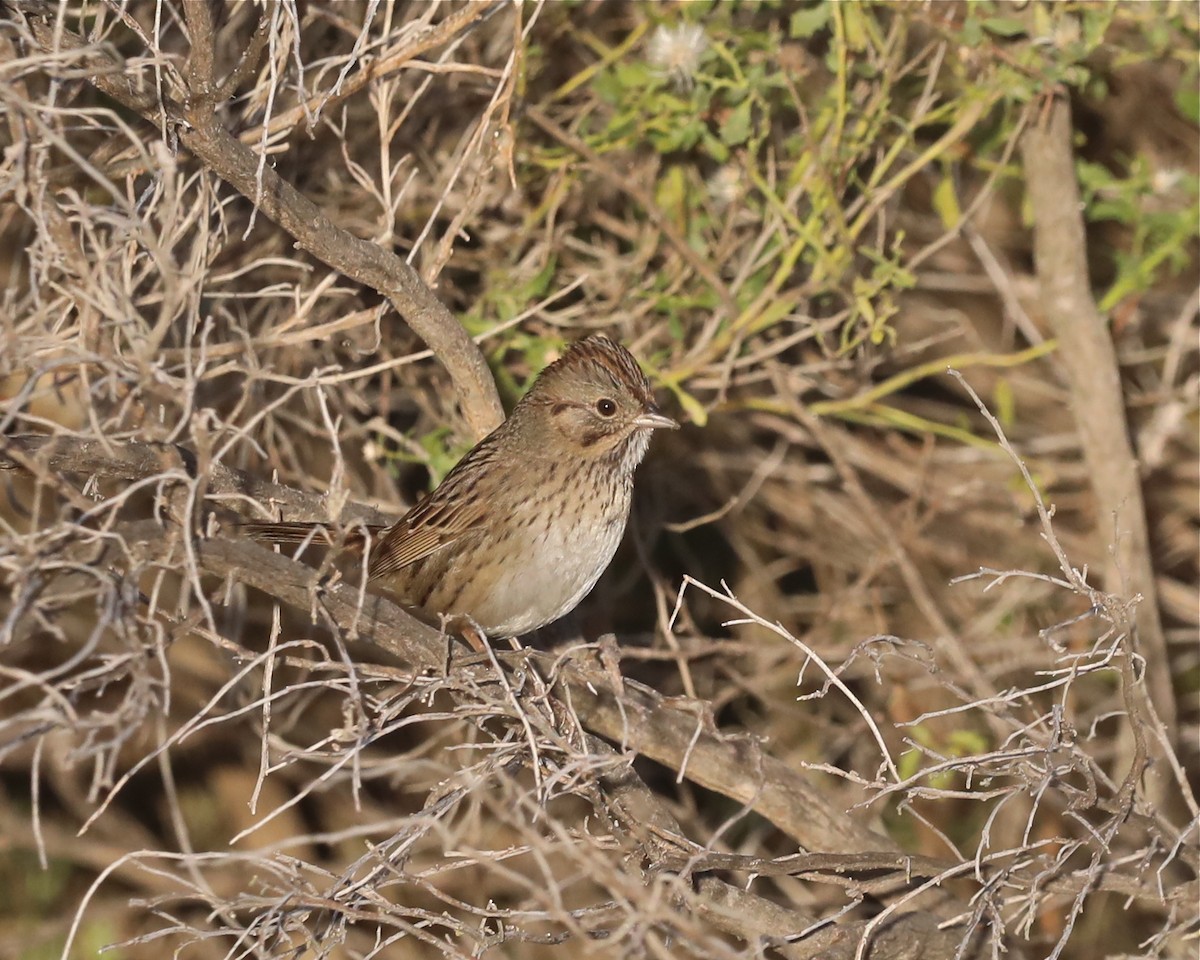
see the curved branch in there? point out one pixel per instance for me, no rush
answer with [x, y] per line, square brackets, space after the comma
[196, 125]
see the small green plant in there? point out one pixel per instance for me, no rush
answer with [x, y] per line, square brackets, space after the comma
[1160, 208]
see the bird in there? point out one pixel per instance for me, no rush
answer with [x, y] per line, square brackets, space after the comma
[520, 530]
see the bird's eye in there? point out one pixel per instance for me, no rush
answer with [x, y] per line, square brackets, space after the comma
[606, 407]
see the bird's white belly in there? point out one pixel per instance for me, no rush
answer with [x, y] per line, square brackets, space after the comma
[558, 569]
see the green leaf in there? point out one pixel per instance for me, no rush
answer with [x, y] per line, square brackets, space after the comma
[804, 23]
[910, 763]
[1003, 26]
[716, 149]
[945, 202]
[691, 406]
[670, 193]
[736, 128]
[636, 75]
[1187, 99]
[1005, 402]
[967, 743]
[855, 24]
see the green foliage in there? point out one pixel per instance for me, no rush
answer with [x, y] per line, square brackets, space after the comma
[1161, 210]
[439, 452]
[962, 742]
[733, 108]
[95, 939]
[506, 295]
[34, 896]
[812, 125]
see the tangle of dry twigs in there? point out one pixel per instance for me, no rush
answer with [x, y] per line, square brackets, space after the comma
[906, 721]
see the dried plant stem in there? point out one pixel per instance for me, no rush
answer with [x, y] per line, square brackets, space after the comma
[1089, 361]
[197, 125]
[636, 717]
[641, 724]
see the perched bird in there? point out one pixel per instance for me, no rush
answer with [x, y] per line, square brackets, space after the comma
[521, 529]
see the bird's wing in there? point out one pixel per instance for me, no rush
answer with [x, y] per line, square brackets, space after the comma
[458, 506]
[416, 537]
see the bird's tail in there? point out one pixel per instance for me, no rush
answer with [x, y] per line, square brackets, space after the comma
[326, 534]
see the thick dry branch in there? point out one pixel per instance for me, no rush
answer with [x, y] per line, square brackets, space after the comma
[635, 717]
[196, 124]
[1089, 360]
[376, 620]
[640, 720]
[135, 461]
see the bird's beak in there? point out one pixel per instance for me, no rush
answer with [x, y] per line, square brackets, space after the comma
[654, 419]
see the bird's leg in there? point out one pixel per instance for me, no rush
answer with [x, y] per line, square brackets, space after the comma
[466, 628]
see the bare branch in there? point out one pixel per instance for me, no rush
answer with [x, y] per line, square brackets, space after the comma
[197, 126]
[1089, 360]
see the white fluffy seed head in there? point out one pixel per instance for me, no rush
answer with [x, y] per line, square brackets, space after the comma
[677, 51]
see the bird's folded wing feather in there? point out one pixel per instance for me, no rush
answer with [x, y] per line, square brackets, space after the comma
[441, 518]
